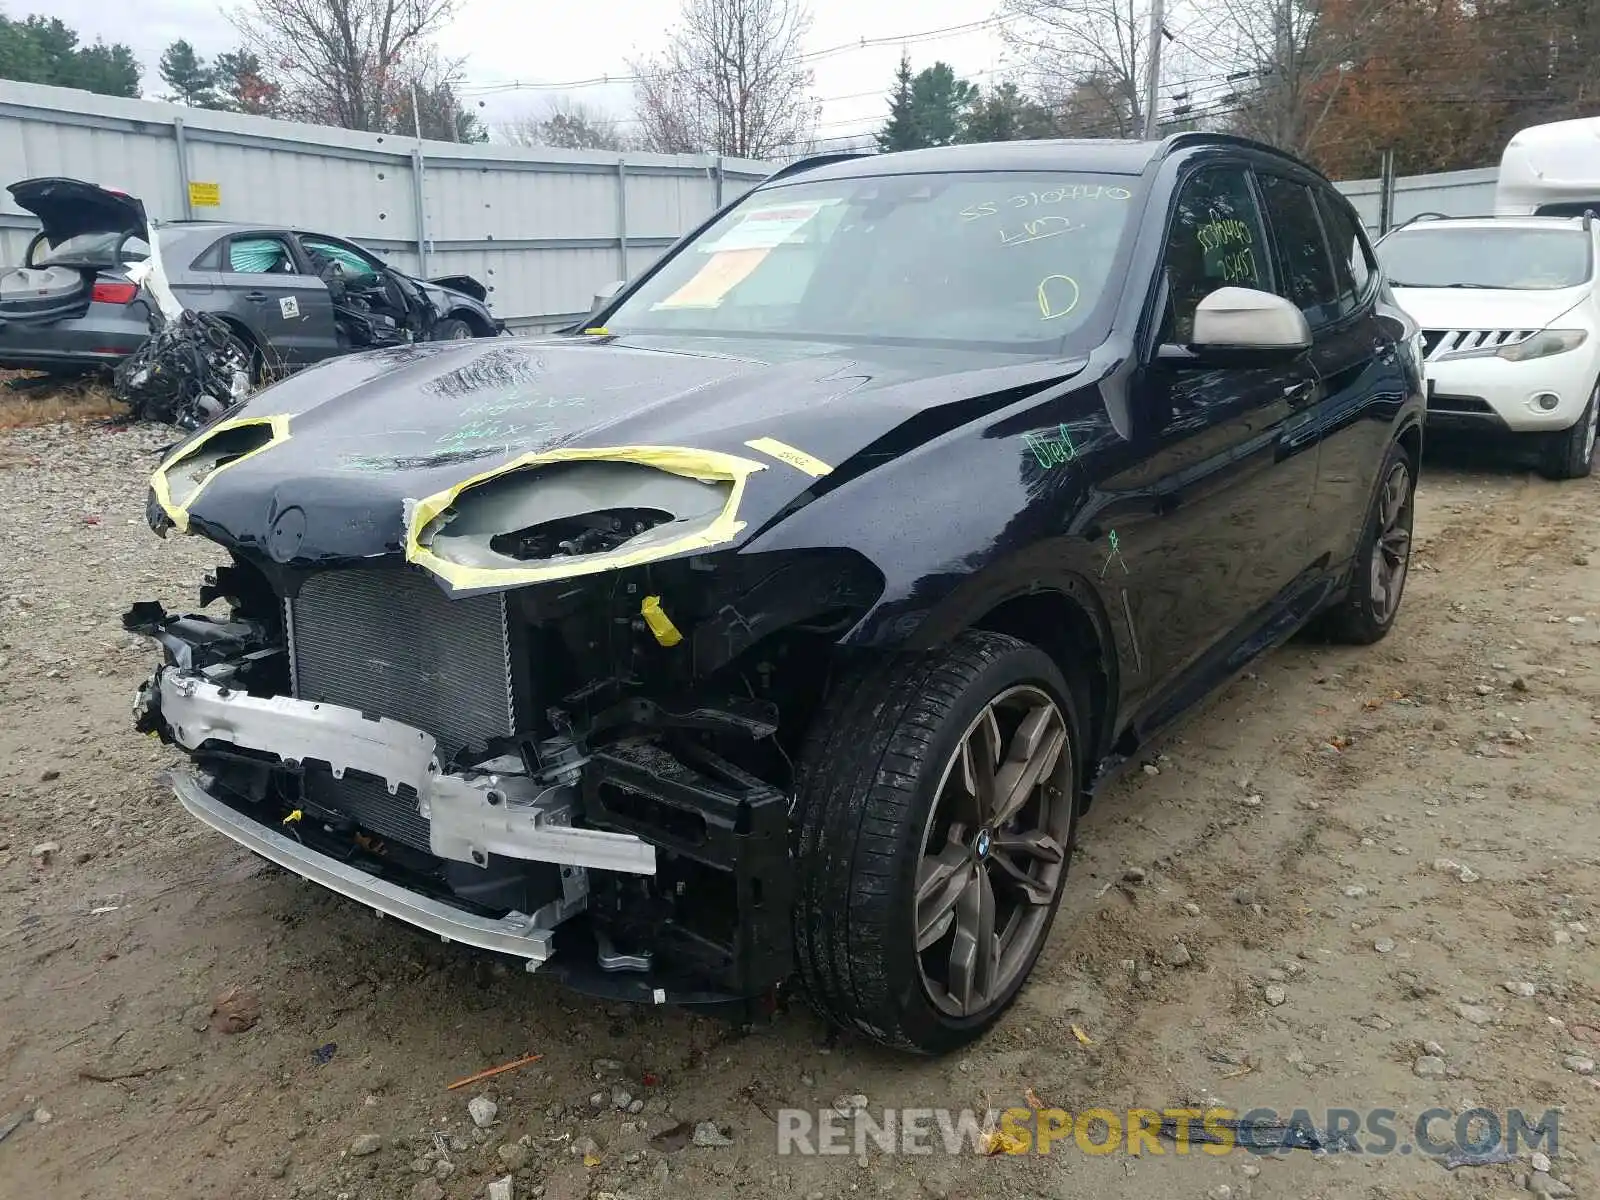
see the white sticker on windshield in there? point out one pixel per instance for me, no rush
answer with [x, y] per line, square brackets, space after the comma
[289, 306]
[764, 228]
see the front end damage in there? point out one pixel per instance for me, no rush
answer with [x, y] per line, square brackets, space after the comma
[590, 771]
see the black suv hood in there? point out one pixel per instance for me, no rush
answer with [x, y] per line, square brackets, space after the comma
[70, 207]
[356, 443]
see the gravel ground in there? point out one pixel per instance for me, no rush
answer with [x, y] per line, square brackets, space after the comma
[1359, 879]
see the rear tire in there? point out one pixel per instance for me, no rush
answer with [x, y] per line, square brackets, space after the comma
[1383, 560]
[923, 898]
[452, 329]
[1570, 453]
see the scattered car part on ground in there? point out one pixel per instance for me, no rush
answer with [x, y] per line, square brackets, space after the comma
[1511, 327]
[292, 297]
[186, 373]
[191, 369]
[783, 620]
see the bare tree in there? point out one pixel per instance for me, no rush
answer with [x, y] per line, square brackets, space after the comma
[343, 62]
[730, 80]
[566, 124]
[1089, 52]
[1296, 53]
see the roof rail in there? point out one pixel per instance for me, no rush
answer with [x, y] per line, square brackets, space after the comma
[1422, 216]
[1176, 141]
[813, 161]
[1439, 216]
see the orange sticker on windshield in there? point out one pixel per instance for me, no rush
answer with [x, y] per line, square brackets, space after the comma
[716, 279]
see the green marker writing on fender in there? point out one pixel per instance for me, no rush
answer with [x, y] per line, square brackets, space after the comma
[1052, 451]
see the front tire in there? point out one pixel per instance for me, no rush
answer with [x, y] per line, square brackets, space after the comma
[1570, 453]
[937, 800]
[1383, 560]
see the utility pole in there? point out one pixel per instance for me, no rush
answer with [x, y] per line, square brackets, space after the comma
[416, 111]
[1152, 84]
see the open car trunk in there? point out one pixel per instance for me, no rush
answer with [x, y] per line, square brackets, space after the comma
[88, 236]
[37, 294]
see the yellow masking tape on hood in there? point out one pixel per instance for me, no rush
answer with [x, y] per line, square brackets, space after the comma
[679, 460]
[808, 464]
[178, 513]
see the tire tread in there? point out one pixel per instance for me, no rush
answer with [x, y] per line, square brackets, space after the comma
[856, 791]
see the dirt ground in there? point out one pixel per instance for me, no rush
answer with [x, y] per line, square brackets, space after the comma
[1380, 840]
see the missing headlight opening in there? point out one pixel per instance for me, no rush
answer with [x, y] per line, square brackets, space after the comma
[179, 480]
[562, 510]
[565, 510]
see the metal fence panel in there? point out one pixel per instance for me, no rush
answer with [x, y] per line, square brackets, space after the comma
[541, 228]
[1454, 193]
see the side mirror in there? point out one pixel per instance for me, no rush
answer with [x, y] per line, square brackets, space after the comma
[604, 296]
[1243, 325]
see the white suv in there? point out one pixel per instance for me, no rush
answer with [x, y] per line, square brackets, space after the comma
[1510, 325]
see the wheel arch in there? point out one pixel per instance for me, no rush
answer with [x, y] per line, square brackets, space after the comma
[1410, 440]
[1068, 626]
[243, 331]
[474, 319]
[265, 363]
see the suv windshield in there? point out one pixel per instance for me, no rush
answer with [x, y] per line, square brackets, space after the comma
[1018, 260]
[1530, 260]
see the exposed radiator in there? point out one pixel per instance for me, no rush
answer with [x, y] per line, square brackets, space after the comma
[389, 643]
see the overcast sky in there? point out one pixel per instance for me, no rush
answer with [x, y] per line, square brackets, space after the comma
[519, 41]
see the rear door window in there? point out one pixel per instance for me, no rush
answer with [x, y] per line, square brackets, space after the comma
[1306, 268]
[260, 256]
[1352, 263]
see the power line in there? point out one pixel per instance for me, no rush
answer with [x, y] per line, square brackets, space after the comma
[926, 35]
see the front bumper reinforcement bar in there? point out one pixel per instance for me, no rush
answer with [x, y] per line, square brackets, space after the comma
[515, 933]
[469, 817]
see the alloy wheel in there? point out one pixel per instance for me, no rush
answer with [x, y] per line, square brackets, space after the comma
[1391, 556]
[994, 851]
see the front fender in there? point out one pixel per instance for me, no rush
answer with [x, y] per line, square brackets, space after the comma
[963, 523]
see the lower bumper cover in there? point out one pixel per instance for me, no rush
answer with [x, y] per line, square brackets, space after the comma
[515, 933]
[1489, 394]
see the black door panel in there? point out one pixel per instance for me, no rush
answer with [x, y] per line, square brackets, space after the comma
[1359, 362]
[1216, 509]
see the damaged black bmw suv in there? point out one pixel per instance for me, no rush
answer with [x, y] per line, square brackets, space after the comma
[780, 621]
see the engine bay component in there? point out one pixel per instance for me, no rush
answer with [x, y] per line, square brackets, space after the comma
[189, 371]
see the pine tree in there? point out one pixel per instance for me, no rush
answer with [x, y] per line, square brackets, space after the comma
[899, 131]
[187, 74]
[44, 50]
[243, 84]
[1006, 115]
[940, 102]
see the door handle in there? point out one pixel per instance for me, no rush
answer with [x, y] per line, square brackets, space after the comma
[256, 296]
